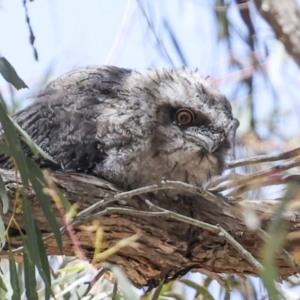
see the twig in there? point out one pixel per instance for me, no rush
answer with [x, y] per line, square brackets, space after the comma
[258, 175]
[93, 207]
[172, 215]
[218, 200]
[126, 211]
[216, 229]
[93, 281]
[263, 158]
[271, 180]
[222, 179]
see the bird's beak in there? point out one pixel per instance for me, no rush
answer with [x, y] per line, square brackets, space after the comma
[207, 143]
[204, 141]
[210, 144]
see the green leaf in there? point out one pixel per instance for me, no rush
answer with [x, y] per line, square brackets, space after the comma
[14, 278]
[2, 234]
[36, 252]
[10, 74]
[200, 289]
[37, 180]
[173, 295]
[36, 149]
[64, 201]
[3, 287]
[3, 195]
[273, 245]
[4, 148]
[44, 262]
[13, 143]
[122, 280]
[29, 272]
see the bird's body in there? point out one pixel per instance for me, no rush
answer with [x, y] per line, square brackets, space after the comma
[131, 128]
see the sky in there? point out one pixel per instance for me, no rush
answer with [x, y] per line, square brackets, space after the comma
[73, 33]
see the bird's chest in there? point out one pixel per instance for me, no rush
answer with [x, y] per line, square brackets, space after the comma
[143, 170]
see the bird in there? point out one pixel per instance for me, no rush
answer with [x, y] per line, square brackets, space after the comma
[130, 127]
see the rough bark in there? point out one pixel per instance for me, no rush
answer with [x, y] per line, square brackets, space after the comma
[167, 249]
[284, 18]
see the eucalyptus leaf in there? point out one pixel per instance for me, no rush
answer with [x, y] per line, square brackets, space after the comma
[13, 143]
[3, 195]
[14, 278]
[10, 74]
[36, 252]
[2, 234]
[38, 183]
[36, 149]
[29, 272]
[200, 289]
[122, 280]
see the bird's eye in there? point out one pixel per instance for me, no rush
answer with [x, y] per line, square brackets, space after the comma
[184, 117]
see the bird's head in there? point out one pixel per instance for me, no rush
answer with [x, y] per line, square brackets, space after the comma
[187, 118]
[183, 105]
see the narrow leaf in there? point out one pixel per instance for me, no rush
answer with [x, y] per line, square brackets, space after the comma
[44, 262]
[36, 149]
[13, 143]
[14, 279]
[122, 280]
[3, 288]
[10, 74]
[33, 245]
[2, 234]
[37, 180]
[200, 289]
[3, 195]
[64, 201]
[29, 272]
[277, 235]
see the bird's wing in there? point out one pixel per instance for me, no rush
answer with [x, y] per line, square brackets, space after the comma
[62, 120]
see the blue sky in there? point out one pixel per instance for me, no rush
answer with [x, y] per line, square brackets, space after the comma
[75, 33]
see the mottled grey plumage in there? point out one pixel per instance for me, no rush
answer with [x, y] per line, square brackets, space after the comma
[121, 125]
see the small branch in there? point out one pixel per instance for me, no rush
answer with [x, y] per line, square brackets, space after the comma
[222, 179]
[283, 17]
[219, 200]
[258, 175]
[244, 253]
[215, 229]
[93, 281]
[263, 158]
[276, 179]
[88, 211]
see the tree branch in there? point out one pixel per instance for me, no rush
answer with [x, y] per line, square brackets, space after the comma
[283, 17]
[185, 232]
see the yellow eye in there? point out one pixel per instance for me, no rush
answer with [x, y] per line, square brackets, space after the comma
[184, 117]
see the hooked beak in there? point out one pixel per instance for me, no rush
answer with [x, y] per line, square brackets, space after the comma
[207, 143]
